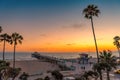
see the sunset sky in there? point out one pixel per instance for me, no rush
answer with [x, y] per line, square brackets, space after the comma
[59, 25]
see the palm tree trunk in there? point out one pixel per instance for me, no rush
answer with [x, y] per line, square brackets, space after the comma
[0, 76]
[95, 39]
[4, 51]
[13, 78]
[100, 73]
[108, 76]
[14, 59]
[118, 52]
[14, 56]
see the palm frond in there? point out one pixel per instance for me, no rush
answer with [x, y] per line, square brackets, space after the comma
[16, 38]
[91, 10]
[108, 60]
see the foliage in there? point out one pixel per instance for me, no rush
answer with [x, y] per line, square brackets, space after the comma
[90, 11]
[15, 72]
[117, 43]
[108, 61]
[0, 29]
[107, 58]
[4, 38]
[15, 39]
[24, 76]
[77, 78]
[39, 79]
[88, 75]
[57, 75]
[46, 78]
[64, 68]
[7, 72]
[99, 67]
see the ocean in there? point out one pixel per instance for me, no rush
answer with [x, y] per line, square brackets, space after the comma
[18, 55]
[65, 55]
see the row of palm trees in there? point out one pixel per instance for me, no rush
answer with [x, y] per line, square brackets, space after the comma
[108, 62]
[13, 39]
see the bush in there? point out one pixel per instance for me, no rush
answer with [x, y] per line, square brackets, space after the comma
[8, 72]
[24, 76]
[47, 78]
[57, 75]
[39, 79]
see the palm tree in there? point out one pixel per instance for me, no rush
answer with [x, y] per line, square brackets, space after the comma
[14, 72]
[117, 44]
[108, 61]
[3, 66]
[7, 72]
[15, 39]
[98, 67]
[5, 38]
[88, 75]
[89, 12]
[0, 29]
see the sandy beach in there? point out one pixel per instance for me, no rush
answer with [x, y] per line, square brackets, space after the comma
[35, 68]
[39, 68]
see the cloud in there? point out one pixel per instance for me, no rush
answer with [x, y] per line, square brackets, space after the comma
[100, 38]
[48, 43]
[43, 35]
[74, 26]
[70, 44]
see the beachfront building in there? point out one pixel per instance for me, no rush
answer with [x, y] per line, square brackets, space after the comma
[83, 58]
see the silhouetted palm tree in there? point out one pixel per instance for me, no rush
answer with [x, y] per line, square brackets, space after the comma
[117, 44]
[98, 67]
[5, 38]
[108, 61]
[89, 12]
[15, 39]
[7, 72]
[0, 29]
[14, 72]
[3, 66]
[88, 75]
